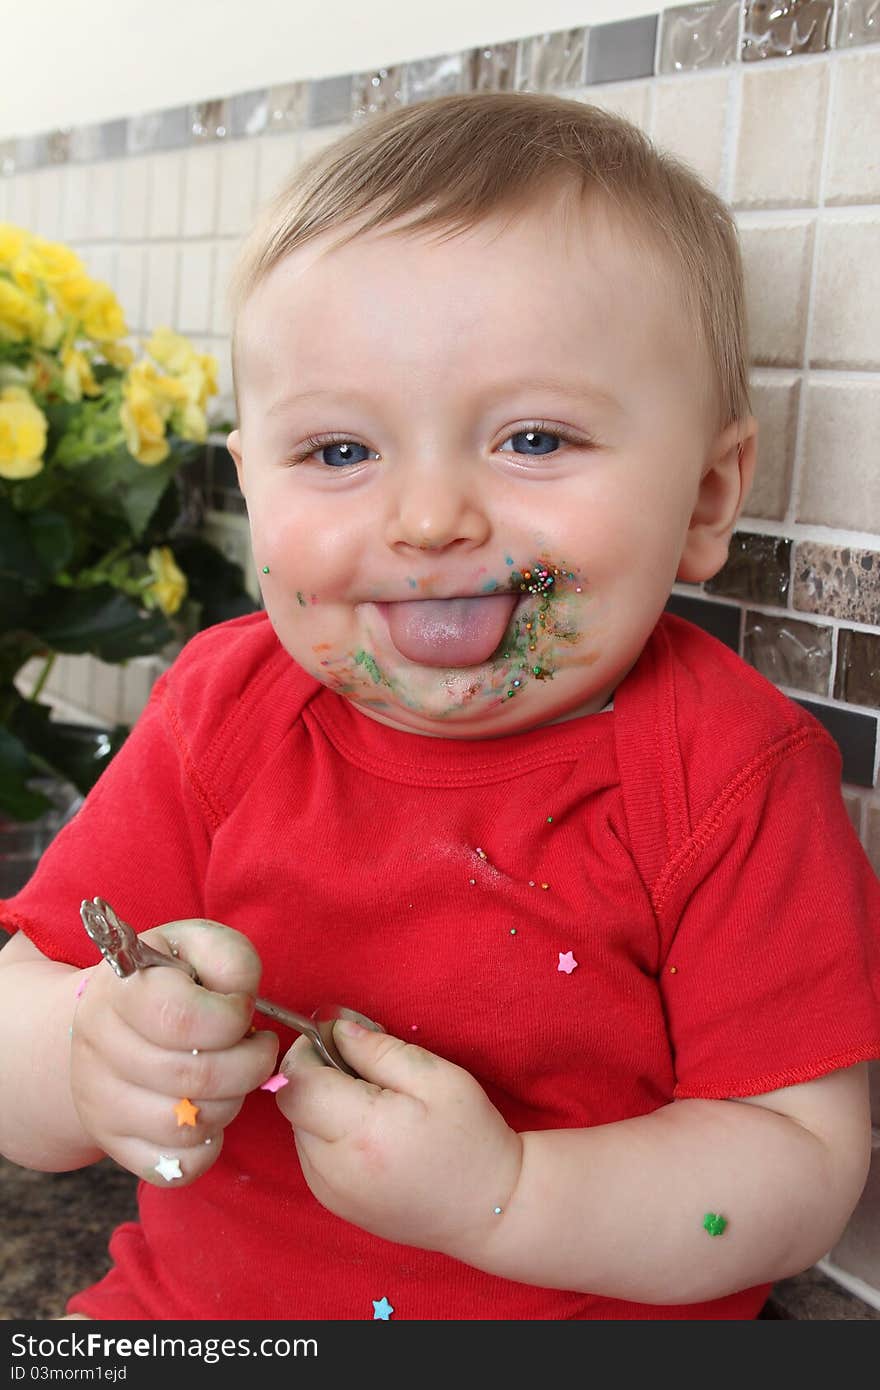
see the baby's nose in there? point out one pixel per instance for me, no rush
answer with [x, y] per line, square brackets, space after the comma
[430, 511]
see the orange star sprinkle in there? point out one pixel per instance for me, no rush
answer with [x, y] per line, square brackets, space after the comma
[186, 1112]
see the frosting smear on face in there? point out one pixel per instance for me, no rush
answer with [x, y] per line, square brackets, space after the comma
[449, 631]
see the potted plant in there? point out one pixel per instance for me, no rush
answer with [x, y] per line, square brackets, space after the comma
[96, 552]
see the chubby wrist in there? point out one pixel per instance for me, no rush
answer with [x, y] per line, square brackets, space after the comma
[486, 1244]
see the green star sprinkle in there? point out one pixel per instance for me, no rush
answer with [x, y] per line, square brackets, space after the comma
[714, 1224]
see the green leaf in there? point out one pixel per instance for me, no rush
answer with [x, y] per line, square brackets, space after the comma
[128, 489]
[214, 582]
[19, 558]
[77, 753]
[52, 538]
[99, 620]
[16, 798]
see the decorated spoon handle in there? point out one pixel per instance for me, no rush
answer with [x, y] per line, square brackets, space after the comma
[124, 950]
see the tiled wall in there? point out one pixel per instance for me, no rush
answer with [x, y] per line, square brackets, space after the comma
[778, 107]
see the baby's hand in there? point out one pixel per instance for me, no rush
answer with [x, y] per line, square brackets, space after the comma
[415, 1152]
[142, 1046]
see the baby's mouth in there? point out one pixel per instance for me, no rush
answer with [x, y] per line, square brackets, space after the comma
[449, 631]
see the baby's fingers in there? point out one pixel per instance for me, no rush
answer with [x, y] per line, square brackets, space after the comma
[165, 1007]
[321, 1100]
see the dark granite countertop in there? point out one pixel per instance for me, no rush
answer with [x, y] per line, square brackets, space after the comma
[54, 1229]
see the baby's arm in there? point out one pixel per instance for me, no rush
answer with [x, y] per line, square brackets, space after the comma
[415, 1152]
[619, 1209]
[39, 1126]
[95, 1065]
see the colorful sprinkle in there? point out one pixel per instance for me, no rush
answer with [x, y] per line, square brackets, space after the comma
[382, 1310]
[714, 1224]
[168, 1168]
[186, 1112]
[567, 962]
[673, 969]
[265, 569]
[496, 1211]
[275, 1082]
[80, 987]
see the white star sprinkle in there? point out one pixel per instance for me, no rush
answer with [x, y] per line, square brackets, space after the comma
[168, 1168]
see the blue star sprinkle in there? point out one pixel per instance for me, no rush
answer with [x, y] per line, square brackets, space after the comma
[382, 1310]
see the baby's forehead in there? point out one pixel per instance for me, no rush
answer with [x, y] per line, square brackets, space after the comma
[559, 243]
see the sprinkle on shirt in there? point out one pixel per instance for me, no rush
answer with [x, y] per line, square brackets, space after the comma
[275, 1082]
[382, 1310]
[567, 962]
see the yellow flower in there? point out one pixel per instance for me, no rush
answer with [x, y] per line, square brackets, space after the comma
[12, 242]
[171, 350]
[189, 422]
[21, 316]
[72, 293]
[169, 587]
[55, 261]
[102, 316]
[117, 354]
[143, 423]
[22, 434]
[77, 375]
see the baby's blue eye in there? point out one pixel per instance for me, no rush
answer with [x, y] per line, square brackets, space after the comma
[536, 437]
[346, 453]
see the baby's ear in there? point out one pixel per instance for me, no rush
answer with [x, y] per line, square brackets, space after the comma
[233, 444]
[724, 486]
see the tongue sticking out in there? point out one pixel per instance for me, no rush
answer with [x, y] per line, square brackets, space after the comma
[450, 631]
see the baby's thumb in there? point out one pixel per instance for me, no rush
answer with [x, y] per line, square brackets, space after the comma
[376, 1056]
[224, 959]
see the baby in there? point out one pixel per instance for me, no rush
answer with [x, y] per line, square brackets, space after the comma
[590, 871]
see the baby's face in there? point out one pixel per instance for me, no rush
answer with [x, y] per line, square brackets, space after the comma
[521, 424]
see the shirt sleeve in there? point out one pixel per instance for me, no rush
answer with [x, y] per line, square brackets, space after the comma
[140, 840]
[772, 911]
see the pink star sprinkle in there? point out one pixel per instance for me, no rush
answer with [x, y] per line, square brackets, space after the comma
[567, 962]
[275, 1082]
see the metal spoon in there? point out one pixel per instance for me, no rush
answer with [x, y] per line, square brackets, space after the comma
[121, 946]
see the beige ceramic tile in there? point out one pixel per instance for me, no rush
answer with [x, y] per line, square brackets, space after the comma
[21, 200]
[161, 299]
[134, 195]
[858, 1251]
[200, 175]
[853, 172]
[277, 157]
[76, 201]
[103, 212]
[779, 150]
[195, 307]
[775, 397]
[846, 325]
[628, 99]
[131, 271]
[48, 192]
[838, 485]
[238, 187]
[689, 120]
[223, 262]
[166, 194]
[776, 265]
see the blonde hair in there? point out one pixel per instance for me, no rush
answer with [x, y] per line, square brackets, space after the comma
[462, 157]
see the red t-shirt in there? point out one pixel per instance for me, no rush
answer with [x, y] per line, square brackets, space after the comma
[700, 865]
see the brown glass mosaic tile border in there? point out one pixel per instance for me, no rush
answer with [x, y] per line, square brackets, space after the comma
[686, 38]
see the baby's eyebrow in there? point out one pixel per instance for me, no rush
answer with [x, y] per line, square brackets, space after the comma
[575, 388]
